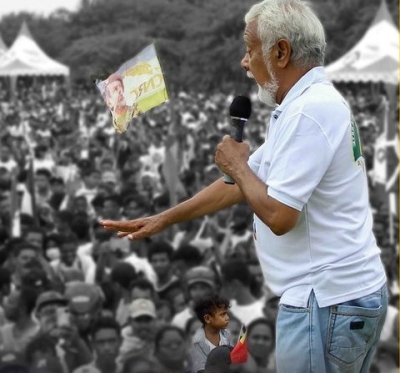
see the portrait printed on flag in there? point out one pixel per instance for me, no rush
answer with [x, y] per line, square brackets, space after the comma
[136, 87]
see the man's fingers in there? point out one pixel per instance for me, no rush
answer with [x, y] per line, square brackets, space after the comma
[122, 226]
[122, 234]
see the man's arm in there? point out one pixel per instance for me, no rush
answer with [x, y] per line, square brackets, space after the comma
[231, 158]
[213, 198]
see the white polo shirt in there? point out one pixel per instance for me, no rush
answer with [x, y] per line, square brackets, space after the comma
[312, 161]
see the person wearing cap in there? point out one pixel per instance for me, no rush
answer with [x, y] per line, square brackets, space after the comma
[200, 281]
[138, 336]
[46, 307]
[85, 305]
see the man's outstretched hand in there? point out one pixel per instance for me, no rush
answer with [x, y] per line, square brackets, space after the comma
[136, 229]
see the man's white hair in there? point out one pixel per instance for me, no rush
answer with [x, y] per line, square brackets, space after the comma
[294, 21]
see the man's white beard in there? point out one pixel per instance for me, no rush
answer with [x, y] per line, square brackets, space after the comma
[267, 92]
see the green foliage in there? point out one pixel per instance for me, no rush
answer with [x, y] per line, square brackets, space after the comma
[199, 42]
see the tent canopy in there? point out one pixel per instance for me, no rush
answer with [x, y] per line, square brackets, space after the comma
[25, 57]
[375, 58]
[3, 47]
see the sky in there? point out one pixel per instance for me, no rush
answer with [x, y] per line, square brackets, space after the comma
[40, 7]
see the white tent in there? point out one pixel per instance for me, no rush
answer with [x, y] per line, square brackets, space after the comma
[25, 57]
[375, 58]
[3, 47]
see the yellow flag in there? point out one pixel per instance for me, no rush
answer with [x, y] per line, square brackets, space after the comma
[136, 87]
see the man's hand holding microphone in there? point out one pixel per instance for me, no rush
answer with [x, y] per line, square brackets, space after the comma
[232, 152]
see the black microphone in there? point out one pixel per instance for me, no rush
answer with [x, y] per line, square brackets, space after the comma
[239, 111]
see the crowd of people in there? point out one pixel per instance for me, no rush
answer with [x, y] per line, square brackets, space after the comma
[74, 297]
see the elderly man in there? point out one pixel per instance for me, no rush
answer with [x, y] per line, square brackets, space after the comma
[308, 190]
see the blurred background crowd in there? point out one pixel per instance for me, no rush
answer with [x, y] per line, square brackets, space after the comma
[74, 296]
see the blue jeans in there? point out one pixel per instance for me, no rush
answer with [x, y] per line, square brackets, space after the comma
[339, 338]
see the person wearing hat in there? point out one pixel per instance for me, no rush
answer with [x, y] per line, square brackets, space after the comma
[138, 336]
[85, 304]
[46, 308]
[200, 281]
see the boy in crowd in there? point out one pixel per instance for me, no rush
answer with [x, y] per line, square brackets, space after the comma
[212, 311]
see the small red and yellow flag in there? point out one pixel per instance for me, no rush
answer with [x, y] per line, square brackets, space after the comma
[239, 352]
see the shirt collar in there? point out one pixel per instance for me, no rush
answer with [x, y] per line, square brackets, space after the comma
[315, 75]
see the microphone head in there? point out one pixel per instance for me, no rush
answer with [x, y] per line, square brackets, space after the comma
[240, 107]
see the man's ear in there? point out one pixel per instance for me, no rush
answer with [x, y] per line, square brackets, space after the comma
[283, 52]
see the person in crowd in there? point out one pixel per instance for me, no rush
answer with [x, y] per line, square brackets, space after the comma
[6, 158]
[212, 311]
[178, 299]
[80, 226]
[142, 288]
[164, 311]
[134, 206]
[236, 282]
[271, 308]
[106, 341]
[22, 327]
[141, 264]
[72, 266]
[159, 255]
[43, 160]
[184, 258]
[293, 194]
[234, 327]
[41, 355]
[192, 325]
[85, 302]
[23, 253]
[91, 181]
[260, 346]
[13, 361]
[171, 350]
[46, 306]
[62, 222]
[138, 336]
[59, 197]
[35, 236]
[111, 208]
[139, 363]
[5, 289]
[58, 327]
[200, 282]
[122, 275]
